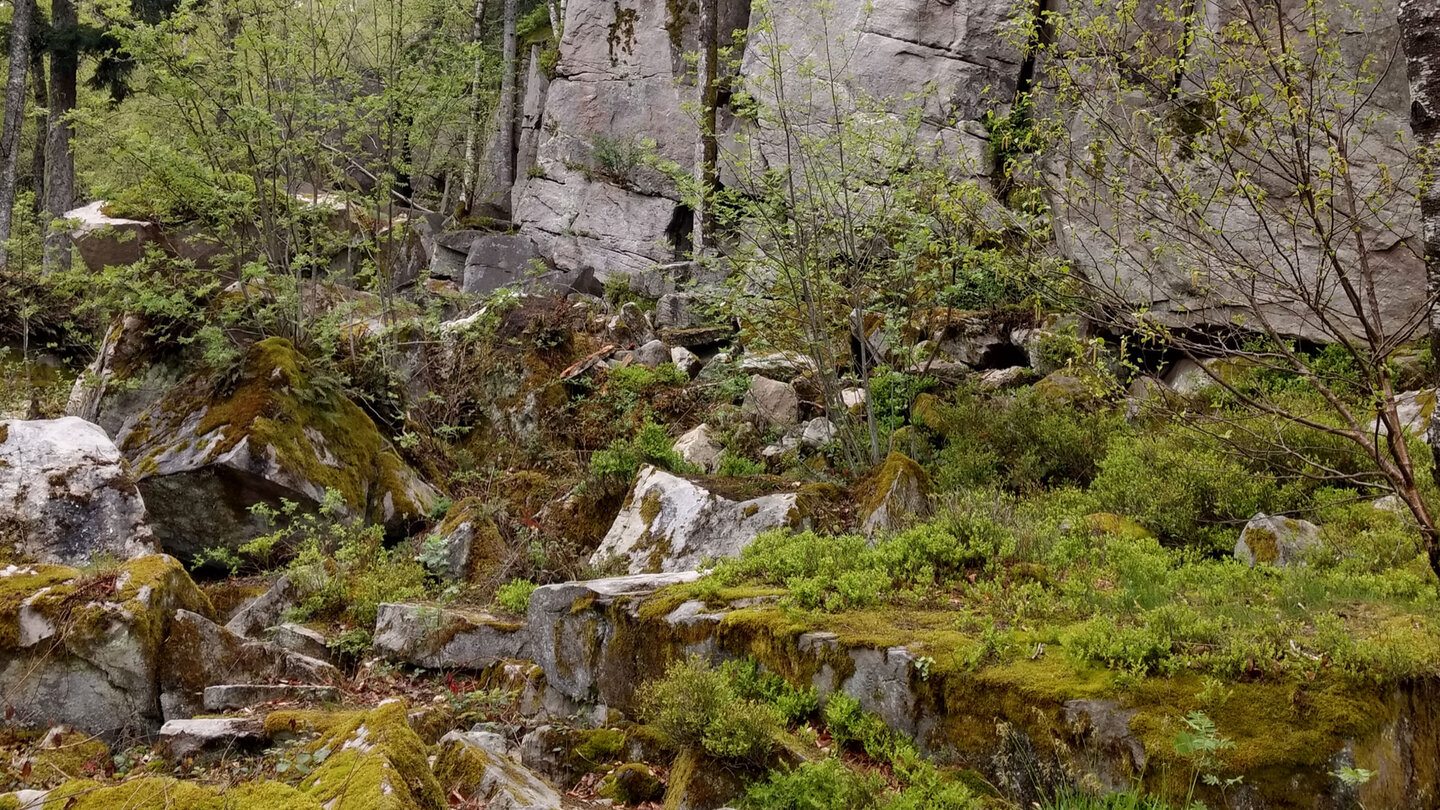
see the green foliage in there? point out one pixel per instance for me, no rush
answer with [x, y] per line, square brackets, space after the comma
[751, 682]
[853, 727]
[342, 565]
[1183, 491]
[514, 596]
[696, 706]
[735, 465]
[622, 459]
[893, 392]
[845, 572]
[1024, 442]
[823, 785]
[616, 157]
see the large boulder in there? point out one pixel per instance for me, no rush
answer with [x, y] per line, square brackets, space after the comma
[209, 451]
[772, 403]
[671, 524]
[698, 447]
[84, 649]
[66, 496]
[108, 241]
[1276, 540]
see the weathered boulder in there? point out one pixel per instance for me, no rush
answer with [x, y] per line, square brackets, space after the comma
[687, 361]
[630, 326]
[777, 365]
[895, 493]
[199, 653]
[818, 432]
[498, 260]
[375, 761]
[466, 546]
[208, 452]
[86, 649]
[772, 403]
[298, 638]
[66, 496]
[1415, 409]
[653, 353]
[697, 447]
[672, 524]
[442, 638]
[678, 311]
[105, 241]
[1003, 379]
[477, 767]
[1276, 540]
[266, 610]
[227, 697]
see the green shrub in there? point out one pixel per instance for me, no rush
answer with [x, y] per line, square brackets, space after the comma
[514, 595]
[823, 785]
[733, 465]
[622, 459]
[752, 682]
[1184, 492]
[1023, 442]
[696, 706]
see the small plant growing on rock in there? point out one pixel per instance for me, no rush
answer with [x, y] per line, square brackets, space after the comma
[514, 596]
[696, 706]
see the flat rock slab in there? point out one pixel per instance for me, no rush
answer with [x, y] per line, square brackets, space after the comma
[447, 637]
[228, 697]
[180, 739]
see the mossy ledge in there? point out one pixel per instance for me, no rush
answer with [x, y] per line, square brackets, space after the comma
[1288, 737]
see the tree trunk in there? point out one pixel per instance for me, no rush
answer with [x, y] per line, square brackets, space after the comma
[20, 25]
[42, 131]
[59, 163]
[1420, 37]
[468, 181]
[706, 148]
[505, 144]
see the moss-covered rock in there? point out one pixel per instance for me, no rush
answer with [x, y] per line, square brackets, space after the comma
[156, 793]
[375, 762]
[476, 766]
[84, 648]
[467, 545]
[209, 451]
[895, 492]
[632, 783]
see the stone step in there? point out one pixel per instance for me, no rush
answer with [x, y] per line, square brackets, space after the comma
[187, 738]
[228, 697]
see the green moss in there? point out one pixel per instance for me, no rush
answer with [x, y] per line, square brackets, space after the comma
[928, 412]
[1263, 544]
[313, 429]
[305, 722]
[379, 764]
[598, 747]
[891, 477]
[74, 755]
[268, 796]
[632, 783]
[149, 793]
[1101, 523]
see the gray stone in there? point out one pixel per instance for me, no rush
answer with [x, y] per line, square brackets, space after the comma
[511, 260]
[439, 638]
[687, 361]
[199, 654]
[1104, 726]
[105, 241]
[66, 496]
[652, 354]
[670, 524]
[232, 696]
[200, 479]
[448, 252]
[1414, 409]
[778, 365]
[1003, 379]
[787, 444]
[222, 736]
[266, 610]
[1189, 377]
[772, 403]
[818, 433]
[677, 311]
[698, 448]
[630, 326]
[505, 784]
[298, 638]
[1276, 540]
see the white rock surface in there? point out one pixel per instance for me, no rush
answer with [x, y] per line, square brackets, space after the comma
[66, 495]
[1276, 540]
[671, 524]
[698, 448]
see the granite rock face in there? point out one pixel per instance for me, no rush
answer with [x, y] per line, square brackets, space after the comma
[67, 496]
